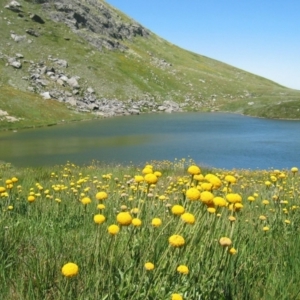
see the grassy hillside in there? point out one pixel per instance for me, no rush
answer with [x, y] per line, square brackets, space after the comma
[150, 67]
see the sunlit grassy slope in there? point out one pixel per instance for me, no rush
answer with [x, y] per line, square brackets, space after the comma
[150, 67]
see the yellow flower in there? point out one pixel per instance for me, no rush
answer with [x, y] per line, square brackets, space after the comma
[251, 198]
[31, 198]
[230, 179]
[2, 189]
[265, 202]
[136, 222]
[150, 178]
[70, 269]
[225, 242]
[206, 186]
[156, 222]
[182, 269]
[10, 207]
[14, 179]
[287, 221]
[101, 196]
[124, 218]
[219, 201]
[231, 218]
[177, 210]
[211, 210]
[232, 251]
[199, 177]
[188, 218]
[86, 200]
[176, 297]
[138, 178]
[207, 197]
[113, 229]
[100, 206]
[157, 174]
[294, 170]
[192, 194]
[233, 198]
[194, 170]
[149, 266]
[266, 228]
[99, 219]
[147, 170]
[176, 240]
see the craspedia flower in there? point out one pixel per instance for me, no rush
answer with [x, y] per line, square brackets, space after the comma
[113, 229]
[182, 269]
[70, 270]
[266, 228]
[138, 178]
[251, 198]
[232, 251]
[136, 222]
[177, 210]
[150, 178]
[147, 170]
[206, 197]
[219, 202]
[176, 240]
[86, 200]
[176, 297]
[31, 198]
[194, 170]
[206, 186]
[225, 242]
[294, 170]
[99, 219]
[10, 207]
[233, 198]
[211, 210]
[230, 179]
[188, 218]
[157, 174]
[2, 189]
[101, 206]
[265, 202]
[262, 218]
[124, 218]
[101, 196]
[149, 266]
[156, 222]
[192, 194]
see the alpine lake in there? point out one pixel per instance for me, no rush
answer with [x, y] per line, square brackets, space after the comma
[219, 140]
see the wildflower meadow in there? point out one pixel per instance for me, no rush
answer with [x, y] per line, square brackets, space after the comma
[163, 230]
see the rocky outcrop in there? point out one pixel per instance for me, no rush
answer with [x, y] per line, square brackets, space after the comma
[98, 24]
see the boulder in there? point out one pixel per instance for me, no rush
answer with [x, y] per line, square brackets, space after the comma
[36, 18]
[73, 82]
[46, 95]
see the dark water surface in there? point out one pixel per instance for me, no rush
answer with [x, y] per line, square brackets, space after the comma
[212, 139]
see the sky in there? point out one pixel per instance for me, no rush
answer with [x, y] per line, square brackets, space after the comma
[258, 36]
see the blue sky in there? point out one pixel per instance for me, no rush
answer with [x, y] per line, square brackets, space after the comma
[259, 36]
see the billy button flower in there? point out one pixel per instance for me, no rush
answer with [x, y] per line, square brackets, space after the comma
[138, 178]
[150, 178]
[149, 266]
[207, 197]
[70, 270]
[188, 218]
[99, 219]
[31, 198]
[101, 196]
[176, 297]
[219, 202]
[124, 218]
[2, 189]
[176, 241]
[192, 194]
[194, 170]
[230, 179]
[233, 198]
[177, 210]
[113, 229]
[225, 242]
[147, 170]
[232, 251]
[182, 269]
[156, 222]
[136, 222]
[294, 170]
[86, 200]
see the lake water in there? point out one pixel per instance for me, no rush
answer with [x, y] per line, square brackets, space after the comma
[212, 139]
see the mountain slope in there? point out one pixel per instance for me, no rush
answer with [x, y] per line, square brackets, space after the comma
[94, 60]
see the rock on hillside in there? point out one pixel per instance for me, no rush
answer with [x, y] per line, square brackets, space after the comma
[96, 23]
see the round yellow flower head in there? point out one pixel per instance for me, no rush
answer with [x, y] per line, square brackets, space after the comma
[2, 189]
[211, 210]
[138, 178]
[14, 179]
[136, 222]
[206, 186]
[232, 251]
[149, 266]
[150, 178]
[182, 269]
[101, 196]
[207, 197]
[199, 177]
[262, 218]
[287, 221]
[266, 228]
[225, 242]
[101, 206]
[230, 179]
[177, 210]
[188, 218]
[265, 202]
[124, 218]
[147, 170]
[99, 219]
[113, 229]
[215, 181]
[268, 183]
[233, 198]
[251, 198]
[70, 270]
[231, 218]
[31, 198]
[192, 194]
[10, 207]
[86, 200]
[157, 174]
[294, 170]
[194, 170]
[156, 222]
[176, 240]
[219, 201]
[176, 297]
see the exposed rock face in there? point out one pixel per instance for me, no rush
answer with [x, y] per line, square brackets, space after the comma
[96, 23]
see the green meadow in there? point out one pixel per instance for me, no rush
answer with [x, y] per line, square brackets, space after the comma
[166, 230]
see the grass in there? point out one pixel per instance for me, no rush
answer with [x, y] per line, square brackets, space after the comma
[38, 238]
